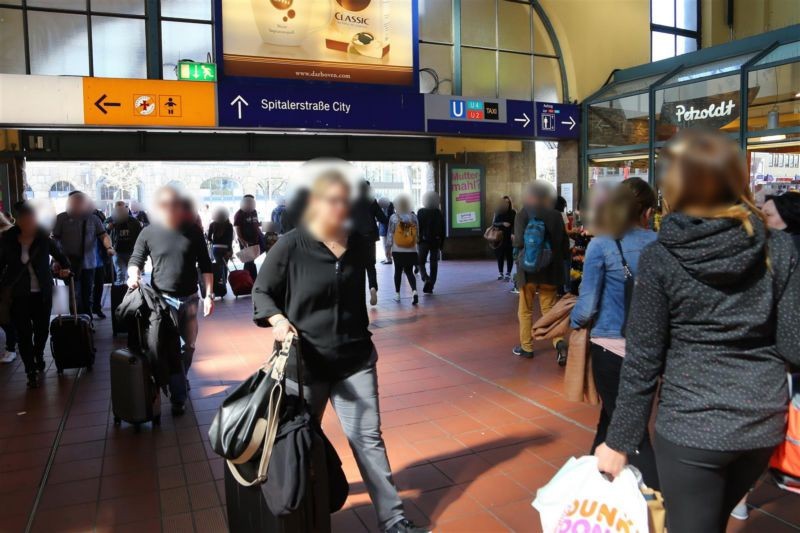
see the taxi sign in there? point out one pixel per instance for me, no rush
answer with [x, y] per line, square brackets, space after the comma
[125, 102]
[191, 71]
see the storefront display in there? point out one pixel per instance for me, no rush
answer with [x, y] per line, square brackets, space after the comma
[747, 89]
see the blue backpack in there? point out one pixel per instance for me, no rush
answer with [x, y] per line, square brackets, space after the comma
[537, 253]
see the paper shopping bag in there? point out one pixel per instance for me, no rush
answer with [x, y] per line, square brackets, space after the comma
[656, 513]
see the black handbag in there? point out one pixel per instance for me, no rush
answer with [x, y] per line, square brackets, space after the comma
[247, 421]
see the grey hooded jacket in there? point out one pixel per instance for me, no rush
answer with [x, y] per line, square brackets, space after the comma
[716, 326]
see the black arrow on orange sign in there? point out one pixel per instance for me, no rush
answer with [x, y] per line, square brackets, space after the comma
[101, 104]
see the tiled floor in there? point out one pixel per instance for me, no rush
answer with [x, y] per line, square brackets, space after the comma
[472, 432]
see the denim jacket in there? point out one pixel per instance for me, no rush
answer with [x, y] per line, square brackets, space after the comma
[602, 291]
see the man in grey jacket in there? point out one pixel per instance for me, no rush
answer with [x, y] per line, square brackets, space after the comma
[539, 204]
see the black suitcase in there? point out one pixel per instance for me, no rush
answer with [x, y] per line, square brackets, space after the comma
[72, 338]
[118, 326]
[135, 398]
[220, 283]
[248, 511]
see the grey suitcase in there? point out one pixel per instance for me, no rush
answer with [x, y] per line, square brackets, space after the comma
[135, 398]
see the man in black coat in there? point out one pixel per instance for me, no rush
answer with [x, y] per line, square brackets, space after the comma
[366, 214]
[538, 204]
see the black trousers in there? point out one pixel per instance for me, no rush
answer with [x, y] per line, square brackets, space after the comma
[427, 250]
[84, 290]
[97, 288]
[31, 319]
[404, 262]
[505, 255]
[606, 367]
[372, 274]
[701, 487]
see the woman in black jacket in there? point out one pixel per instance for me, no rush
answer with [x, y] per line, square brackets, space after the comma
[220, 236]
[431, 239]
[714, 320]
[25, 252]
[504, 217]
[312, 283]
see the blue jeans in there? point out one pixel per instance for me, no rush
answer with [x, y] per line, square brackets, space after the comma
[121, 268]
[186, 307]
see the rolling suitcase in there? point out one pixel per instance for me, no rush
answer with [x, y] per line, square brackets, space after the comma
[118, 325]
[241, 282]
[72, 338]
[248, 511]
[135, 398]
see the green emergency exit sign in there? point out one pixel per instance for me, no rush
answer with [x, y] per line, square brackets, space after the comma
[191, 71]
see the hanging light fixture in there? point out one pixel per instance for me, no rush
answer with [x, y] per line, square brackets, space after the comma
[774, 115]
[773, 118]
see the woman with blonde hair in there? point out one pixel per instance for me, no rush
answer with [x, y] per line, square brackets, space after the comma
[401, 237]
[713, 323]
[312, 284]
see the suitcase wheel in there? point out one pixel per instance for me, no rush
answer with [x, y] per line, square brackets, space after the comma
[117, 421]
[157, 420]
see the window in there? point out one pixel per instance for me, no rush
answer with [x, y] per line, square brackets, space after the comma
[104, 38]
[61, 189]
[674, 27]
[490, 49]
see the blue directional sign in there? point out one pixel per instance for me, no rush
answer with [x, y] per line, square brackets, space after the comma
[557, 121]
[252, 104]
[458, 115]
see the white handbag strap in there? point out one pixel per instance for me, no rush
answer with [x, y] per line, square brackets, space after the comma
[270, 428]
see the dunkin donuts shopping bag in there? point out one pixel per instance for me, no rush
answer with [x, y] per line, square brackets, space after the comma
[580, 499]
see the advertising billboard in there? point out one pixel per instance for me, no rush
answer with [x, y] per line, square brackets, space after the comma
[351, 41]
[465, 200]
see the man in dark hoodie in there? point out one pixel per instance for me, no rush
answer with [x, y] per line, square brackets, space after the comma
[366, 215]
[548, 277]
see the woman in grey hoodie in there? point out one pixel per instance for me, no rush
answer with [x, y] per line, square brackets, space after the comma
[714, 320]
[401, 238]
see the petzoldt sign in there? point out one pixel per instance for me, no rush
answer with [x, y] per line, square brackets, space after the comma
[465, 200]
[713, 111]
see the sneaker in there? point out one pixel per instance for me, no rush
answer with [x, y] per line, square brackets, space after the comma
[427, 288]
[373, 296]
[100, 314]
[178, 409]
[740, 512]
[33, 381]
[514, 290]
[415, 298]
[507, 277]
[500, 277]
[561, 353]
[518, 351]
[8, 357]
[397, 297]
[407, 526]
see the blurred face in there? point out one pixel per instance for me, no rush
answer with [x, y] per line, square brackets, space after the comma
[248, 204]
[120, 213]
[170, 208]
[331, 207]
[774, 219]
[27, 223]
[77, 204]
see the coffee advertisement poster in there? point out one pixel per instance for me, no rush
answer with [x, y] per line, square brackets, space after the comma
[350, 41]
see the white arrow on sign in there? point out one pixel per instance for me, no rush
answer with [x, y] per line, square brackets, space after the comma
[239, 101]
[571, 123]
[524, 118]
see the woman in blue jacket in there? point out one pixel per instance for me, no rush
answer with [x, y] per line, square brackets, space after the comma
[602, 302]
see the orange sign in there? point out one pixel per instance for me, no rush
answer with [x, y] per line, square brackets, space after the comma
[124, 102]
